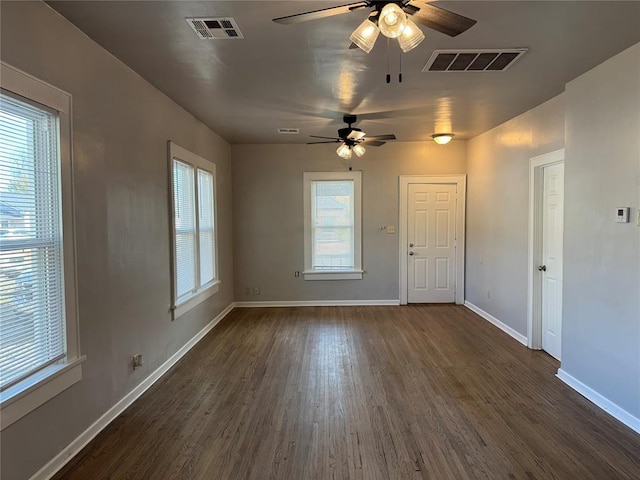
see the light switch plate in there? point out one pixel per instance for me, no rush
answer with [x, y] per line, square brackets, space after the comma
[622, 215]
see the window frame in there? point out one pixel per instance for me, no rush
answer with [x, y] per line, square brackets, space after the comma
[180, 306]
[351, 274]
[41, 386]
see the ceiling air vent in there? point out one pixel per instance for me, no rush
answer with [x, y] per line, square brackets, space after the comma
[496, 60]
[215, 28]
[288, 131]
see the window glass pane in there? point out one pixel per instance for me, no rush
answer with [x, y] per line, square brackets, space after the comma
[185, 227]
[206, 224]
[332, 225]
[32, 315]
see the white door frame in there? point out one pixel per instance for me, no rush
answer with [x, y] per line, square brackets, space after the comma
[461, 183]
[536, 190]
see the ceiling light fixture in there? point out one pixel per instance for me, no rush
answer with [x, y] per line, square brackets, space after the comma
[359, 150]
[344, 151]
[442, 138]
[392, 22]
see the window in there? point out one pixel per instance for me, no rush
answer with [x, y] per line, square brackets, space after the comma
[39, 352]
[332, 226]
[195, 264]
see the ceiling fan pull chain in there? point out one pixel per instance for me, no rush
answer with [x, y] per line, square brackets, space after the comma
[388, 72]
[400, 74]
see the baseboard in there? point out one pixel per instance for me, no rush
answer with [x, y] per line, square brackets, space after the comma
[502, 326]
[317, 303]
[85, 437]
[601, 401]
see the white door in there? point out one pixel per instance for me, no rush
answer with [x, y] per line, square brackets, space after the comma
[431, 243]
[551, 268]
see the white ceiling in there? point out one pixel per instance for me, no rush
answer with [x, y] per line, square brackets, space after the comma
[304, 75]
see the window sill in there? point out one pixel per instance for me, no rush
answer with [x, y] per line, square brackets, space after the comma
[333, 275]
[186, 305]
[26, 396]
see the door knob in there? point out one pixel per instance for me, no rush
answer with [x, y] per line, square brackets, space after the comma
[411, 244]
[542, 268]
[410, 253]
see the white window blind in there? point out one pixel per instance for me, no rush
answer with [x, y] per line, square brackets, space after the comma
[32, 308]
[185, 228]
[194, 223]
[206, 227]
[332, 225]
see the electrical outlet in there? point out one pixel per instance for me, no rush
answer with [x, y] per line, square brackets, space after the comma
[256, 291]
[137, 361]
[391, 229]
[297, 274]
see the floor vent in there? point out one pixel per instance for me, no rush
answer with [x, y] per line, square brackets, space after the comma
[496, 60]
[224, 28]
[289, 131]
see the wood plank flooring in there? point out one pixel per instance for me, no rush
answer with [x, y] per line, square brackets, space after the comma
[368, 393]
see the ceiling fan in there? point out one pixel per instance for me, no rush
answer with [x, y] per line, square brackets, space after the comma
[353, 139]
[391, 18]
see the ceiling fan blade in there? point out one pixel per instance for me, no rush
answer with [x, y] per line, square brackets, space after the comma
[328, 138]
[373, 143]
[356, 135]
[389, 136]
[322, 13]
[440, 19]
[326, 141]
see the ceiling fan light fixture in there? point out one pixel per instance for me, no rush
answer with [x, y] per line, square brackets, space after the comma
[359, 150]
[442, 138]
[392, 20]
[344, 151]
[411, 36]
[365, 35]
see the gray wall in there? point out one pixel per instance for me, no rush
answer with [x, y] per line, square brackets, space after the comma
[601, 311]
[121, 126]
[498, 209]
[268, 215]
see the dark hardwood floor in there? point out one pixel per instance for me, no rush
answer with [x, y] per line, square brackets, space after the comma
[416, 392]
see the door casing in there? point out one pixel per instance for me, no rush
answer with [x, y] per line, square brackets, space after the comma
[461, 183]
[534, 296]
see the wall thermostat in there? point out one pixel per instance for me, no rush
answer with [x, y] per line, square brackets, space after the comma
[622, 214]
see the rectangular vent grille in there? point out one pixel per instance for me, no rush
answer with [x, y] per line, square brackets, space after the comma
[496, 60]
[289, 131]
[215, 28]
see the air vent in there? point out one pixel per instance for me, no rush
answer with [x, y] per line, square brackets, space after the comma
[496, 60]
[215, 28]
[288, 131]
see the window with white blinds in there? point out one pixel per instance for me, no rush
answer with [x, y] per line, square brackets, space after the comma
[332, 226]
[194, 227]
[38, 320]
[32, 315]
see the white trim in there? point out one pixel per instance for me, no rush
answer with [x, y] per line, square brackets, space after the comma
[534, 320]
[308, 178]
[61, 459]
[196, 299]
[601, 401]
[461, 188]
[316, 303]
[502, 326]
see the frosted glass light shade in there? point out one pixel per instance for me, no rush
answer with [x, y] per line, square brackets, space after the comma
[410, 37]
[359, 150]
[392, 20]
[344, 151]
[365, 35]
[442, 138]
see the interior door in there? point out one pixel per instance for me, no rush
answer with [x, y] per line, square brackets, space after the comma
[551, 268]
[431, 243]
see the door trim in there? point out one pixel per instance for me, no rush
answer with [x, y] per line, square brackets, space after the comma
[461, 183]
[536, 187]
